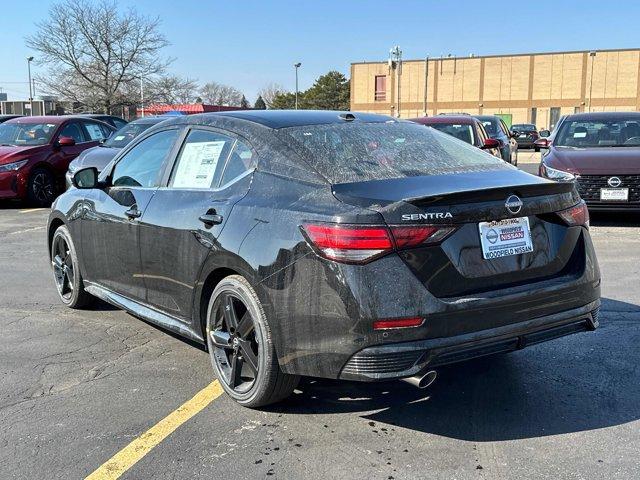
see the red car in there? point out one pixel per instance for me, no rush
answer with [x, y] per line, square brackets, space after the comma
[464, 127]
[35, 153]
[601, 153]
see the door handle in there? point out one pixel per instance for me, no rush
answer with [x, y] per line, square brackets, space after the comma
[133, 212]
[211, 218]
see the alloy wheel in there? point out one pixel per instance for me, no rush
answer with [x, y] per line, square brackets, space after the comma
[234, 343]
[63, 267]
[42, 187]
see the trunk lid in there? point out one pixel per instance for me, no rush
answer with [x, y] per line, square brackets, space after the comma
[456, 267]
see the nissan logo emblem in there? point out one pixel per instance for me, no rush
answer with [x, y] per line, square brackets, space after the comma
[513, 204]
[614, 182]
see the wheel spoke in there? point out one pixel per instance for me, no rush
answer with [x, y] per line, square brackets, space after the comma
[245, 325]
[58, 262]
[235, 378]
[230, 312]
[248, 355]
[221, 339]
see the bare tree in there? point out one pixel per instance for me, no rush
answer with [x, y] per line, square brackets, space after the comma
[218, 94]
[95, 51]
[270, 92]
[171, 89]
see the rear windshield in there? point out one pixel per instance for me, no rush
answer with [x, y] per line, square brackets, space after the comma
[491, 126]
[127, 133]
[599, 133]
[354, 152]
[462, 132]
[524, 127]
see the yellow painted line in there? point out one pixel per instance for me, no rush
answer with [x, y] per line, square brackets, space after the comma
[29, 210]
[138, 448]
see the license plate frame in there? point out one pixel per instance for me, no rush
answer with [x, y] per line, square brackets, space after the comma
[504, 238]
[614, 194]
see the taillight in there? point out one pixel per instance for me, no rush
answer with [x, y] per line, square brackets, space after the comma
[397, 323]
[363, 243]
[576, 215]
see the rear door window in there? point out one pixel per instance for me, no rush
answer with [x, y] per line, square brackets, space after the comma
[241, 160]
[353, 152]
[73, 130]
[95, 131]
[201, 160]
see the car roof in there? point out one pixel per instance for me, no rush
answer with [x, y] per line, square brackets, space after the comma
[149, 120]
[604, 116]
[487, 117]
[53, 119]
[446, 119]
[287, 118]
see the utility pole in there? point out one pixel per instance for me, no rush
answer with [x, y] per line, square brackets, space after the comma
[592, 54]
[141, 98]
[395, 59]
[29, 60]
[297, 66]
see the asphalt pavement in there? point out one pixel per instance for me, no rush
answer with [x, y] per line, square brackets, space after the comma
[76, 387]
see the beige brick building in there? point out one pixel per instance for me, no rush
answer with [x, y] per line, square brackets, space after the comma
[536, 87]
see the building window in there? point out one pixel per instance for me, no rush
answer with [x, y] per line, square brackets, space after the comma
[381, 88]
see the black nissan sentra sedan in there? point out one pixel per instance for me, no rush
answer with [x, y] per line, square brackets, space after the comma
[327, 244]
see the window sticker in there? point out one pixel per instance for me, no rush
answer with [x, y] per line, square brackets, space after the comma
[579, 134]
[198, 164]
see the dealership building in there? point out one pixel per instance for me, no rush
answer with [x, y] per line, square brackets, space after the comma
[533, 88]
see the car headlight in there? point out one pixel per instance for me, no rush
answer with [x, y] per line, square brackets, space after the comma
[557, 175]
[12, 167]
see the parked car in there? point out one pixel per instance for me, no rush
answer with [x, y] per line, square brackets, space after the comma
[601, 152]
[329, 244]
[463, 127]
[526, 135]
[4, 118]
[101, 155]
[115, 122]
[498, 130]
[35, 153]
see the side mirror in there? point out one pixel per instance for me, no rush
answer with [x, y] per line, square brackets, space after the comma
[86, 178]
[66, 142]
[542, 143]
[544, 133]
[490, 143]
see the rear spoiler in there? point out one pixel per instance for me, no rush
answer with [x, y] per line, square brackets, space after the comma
[465, 187]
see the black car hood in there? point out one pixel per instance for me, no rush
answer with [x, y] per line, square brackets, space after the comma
[97, 157]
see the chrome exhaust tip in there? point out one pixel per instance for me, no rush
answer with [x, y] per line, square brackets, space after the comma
[422, 381]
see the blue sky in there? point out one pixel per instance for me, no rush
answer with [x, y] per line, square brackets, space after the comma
[251, 43]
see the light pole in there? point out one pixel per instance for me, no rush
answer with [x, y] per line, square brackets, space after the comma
[141, 98]
[592, 54]
[395, 60]
[29, 60]
[297, 66]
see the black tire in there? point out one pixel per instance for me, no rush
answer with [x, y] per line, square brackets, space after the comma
[536, 149]
[66, 273]
[41, 188]
[241, 346]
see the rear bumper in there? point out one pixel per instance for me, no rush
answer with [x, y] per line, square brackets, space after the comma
[613, 206]
[405, 359]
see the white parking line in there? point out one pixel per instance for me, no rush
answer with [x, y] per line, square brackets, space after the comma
[26, 230]
[29, 210]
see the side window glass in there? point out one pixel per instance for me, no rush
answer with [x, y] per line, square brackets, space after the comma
[74, 131]
[201, 160]
[240, 160]
[95, 131]
[140, 167]
[119, 123]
